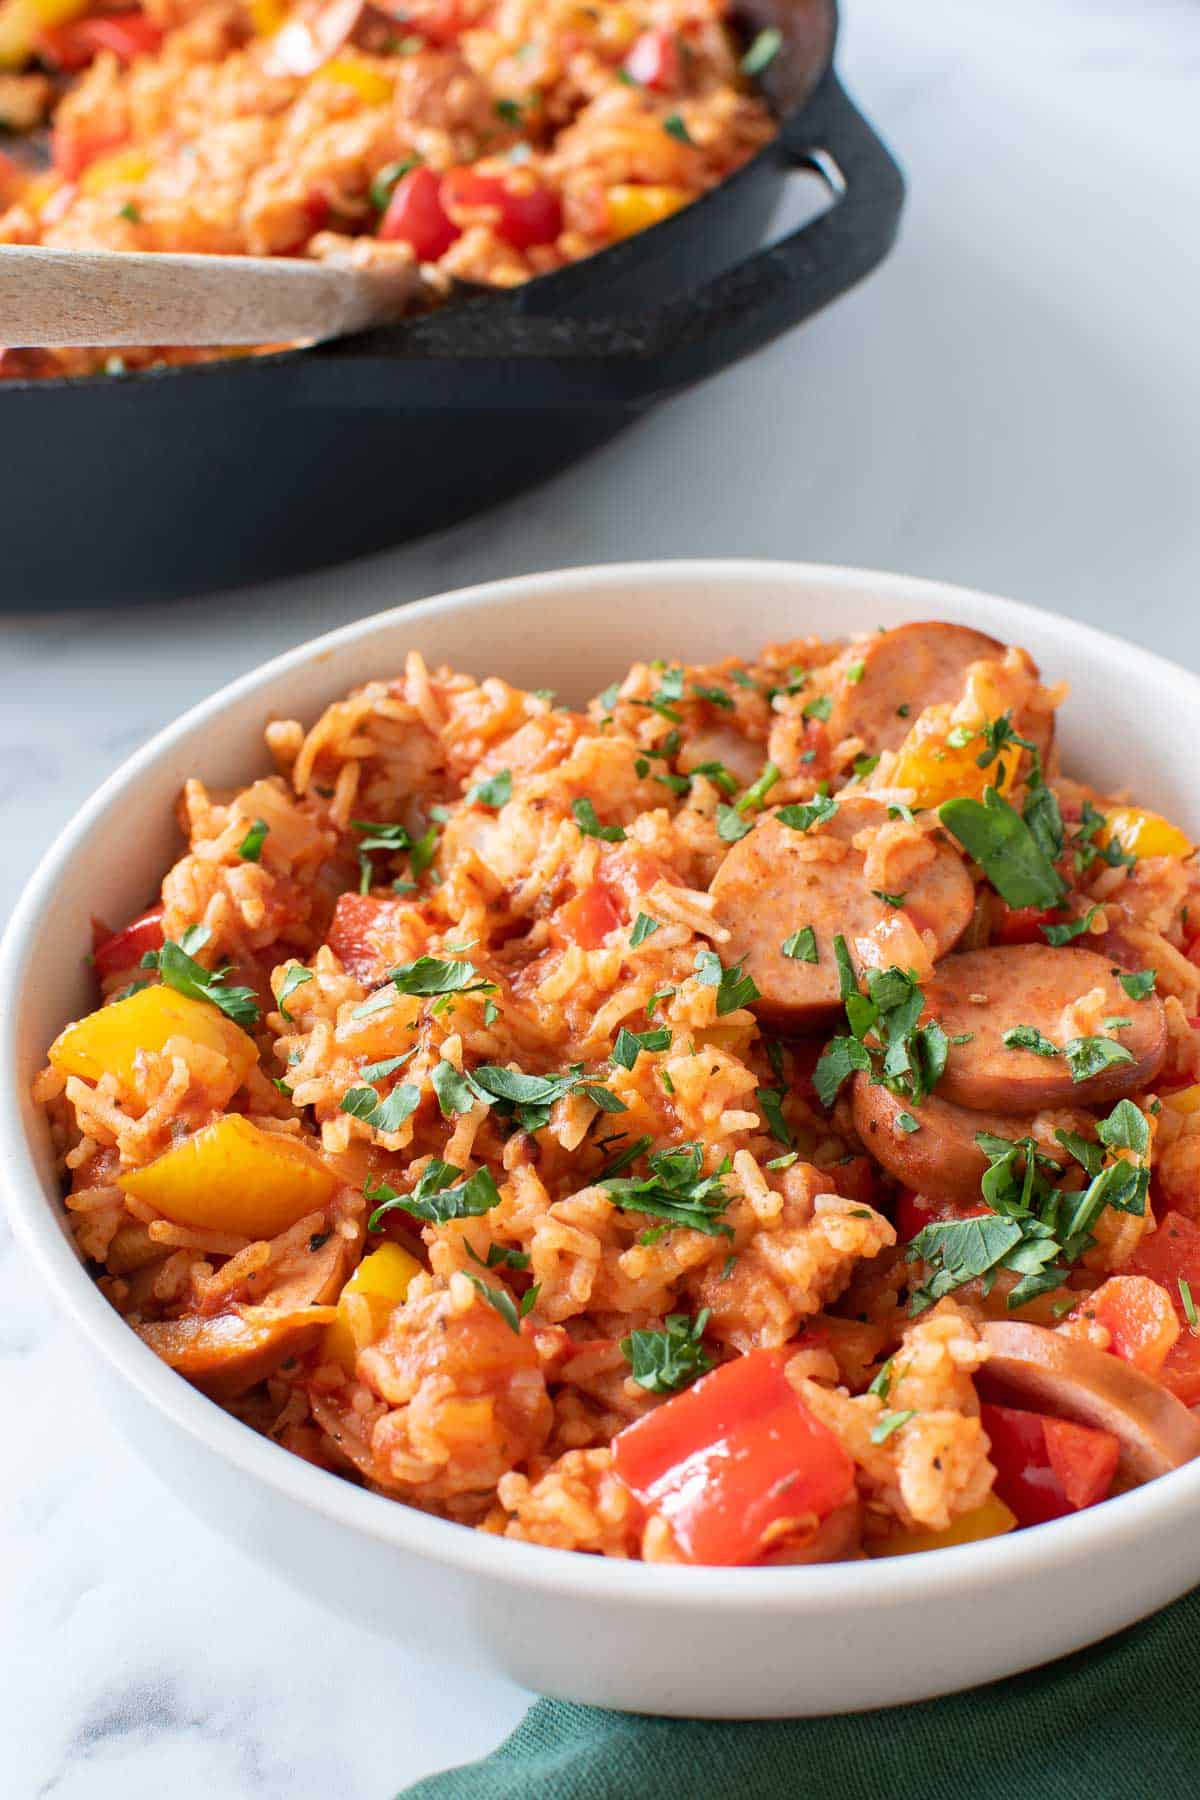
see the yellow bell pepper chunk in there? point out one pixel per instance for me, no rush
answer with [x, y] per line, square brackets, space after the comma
[937, 766]
[107, 1042]
[382, 1278]
[992, 1519]
[233, 1176]
[21, 21]
[1142, 833]
[369, 84]
[632, 209]
[1184, 1100]
[120, 168]
[267, 16]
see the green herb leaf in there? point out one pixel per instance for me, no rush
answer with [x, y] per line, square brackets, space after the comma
[1072, 928]
[841, 1057]
[881, 1386]
[674, 126]
[906, 1123]
[498, 1257]
[731, 826]
[630, 1044]
[996, 836]
[1087, 1056]
[1125, 1129]
[889, 899]
[771, 1101]
[674, 1190]
[495, 792]
[440, 1195]
[643, 927]
[887, 1423]
[803, 818]
[380, 190]
[250, 848]
[430, 975]
[734, 989]
[758, 790]
[801, 946]
[178, 969]
[1028, 1037]
[1138, 983]
[382, 1115]
[763, 50]
[454, 1092]
[1189, 1307]
[585, 817]
[664, 1361]
[296, 976]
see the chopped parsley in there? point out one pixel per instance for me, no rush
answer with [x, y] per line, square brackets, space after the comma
[715, 695]
[716, 772]
[906, 1057]
[430, 975]
[643, 927]
[674, 126]
[758, 790]
[250, 848]
[630, 1044]
[1189, 1307]
[528, 1098]
[818, 708]
[771, 1101]
[906, 1123]
[763, 50]
[1139, 983]
[453, 1090]
[803, 818]
[498, 1257]
[664, 1361]
[734, 989]
[1028, 1037]
[1071, 928]
[674, 1189]
[442, 1193]
[585, 817]
[1088, 1056]
[889, 899]
[731, 826]
[509, 111]
[1006, 847]
[381, 1115]
[495, 792]
[501, 1301]
[380, 190]
[1084, 849]
[887, 1423]
[801, 946]
[178, 969]
[296, 977]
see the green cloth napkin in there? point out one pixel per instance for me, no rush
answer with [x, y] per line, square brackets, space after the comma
[1118, 1722]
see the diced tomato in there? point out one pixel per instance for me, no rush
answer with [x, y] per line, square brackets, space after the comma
[587, 919]
[1047, 1468]
[441, 21]
[524, 216]
[915, 1211]
[655, 62]
[1139, 1316]
[1181, 1371]
[1021, 924]
[732, 1459]
[1168, 1255]
[73, 147]
[357, 919]
[415, 216]
[119, 950]
[73, 45]
[630, 873]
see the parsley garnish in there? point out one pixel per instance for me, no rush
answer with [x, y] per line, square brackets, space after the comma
[453, 1090]
[1006, 848]
[1028, 1037]
[664, 1361]
[440, 1195]
[429, 975]
[498, 1257]
[771, 1101]
[734, 989]
[1087, 1056]
[801, 946]
[495, 792]
[1085, 851]
[910, 1058]
[818, 708]
[585, 817]
[674, 1189]
[1139, 984]
[250, 848]
[887, 1423]
[1189, 1307]
[1072, 928]
[674, 126]
[803, 818]
[643, 927]
[381, 1115]
[629, 1044]
[502, 1302]
[907, 1123]
[178, 969]
[529, 1098]
[731, 826]
[296, 977]
[889, 899]
[380, 190]
[758, 790]
[762, 51]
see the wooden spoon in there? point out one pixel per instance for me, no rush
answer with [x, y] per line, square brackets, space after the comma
[52, 297]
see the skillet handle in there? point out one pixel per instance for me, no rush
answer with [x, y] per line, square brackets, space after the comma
[478, 355]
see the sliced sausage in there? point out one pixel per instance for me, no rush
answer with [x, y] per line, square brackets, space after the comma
[1076, 1381]
[984, 994]
[722, 744]
[224, 1356]
[769, 887]
[941, 1158]
[903, 672]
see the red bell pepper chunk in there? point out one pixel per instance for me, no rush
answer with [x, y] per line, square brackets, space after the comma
[73, 45]
[120, 950]
[655, 62]
[734, 1456]
[1047, 1468]
[1022, 924]
[415, 216]
[1169, 1255]
[587, 919]
[357, 919]
[524, 216]
[71, 150]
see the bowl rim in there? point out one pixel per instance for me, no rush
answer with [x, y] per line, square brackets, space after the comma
[1117, 1524]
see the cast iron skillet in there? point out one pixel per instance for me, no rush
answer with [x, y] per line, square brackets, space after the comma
[177, 481]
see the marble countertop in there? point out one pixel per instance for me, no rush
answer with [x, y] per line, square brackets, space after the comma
[1010, 402]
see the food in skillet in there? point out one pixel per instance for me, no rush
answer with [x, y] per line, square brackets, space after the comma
[754, 1119]
[489, 140]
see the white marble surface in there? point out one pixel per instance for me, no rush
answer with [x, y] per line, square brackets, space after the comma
[1011, 402]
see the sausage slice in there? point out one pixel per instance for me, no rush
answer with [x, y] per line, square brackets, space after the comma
[988, 993]
[912, 667]
[941, 1158]
[1075, 1380]
[769, 887]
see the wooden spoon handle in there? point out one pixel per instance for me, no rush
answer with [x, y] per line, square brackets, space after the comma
[54, 297]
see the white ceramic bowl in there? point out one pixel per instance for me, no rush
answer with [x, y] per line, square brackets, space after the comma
[707, 1642]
